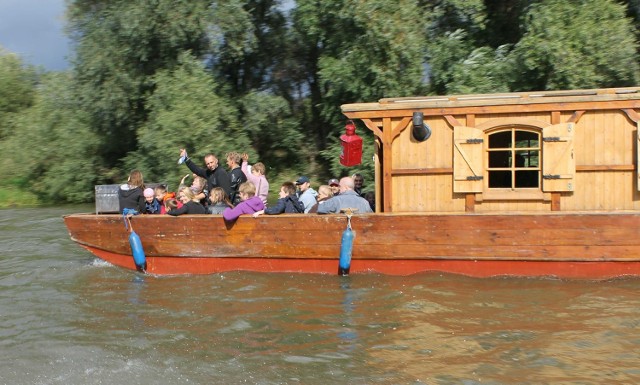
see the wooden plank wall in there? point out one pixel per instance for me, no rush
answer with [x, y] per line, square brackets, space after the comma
[605, 151]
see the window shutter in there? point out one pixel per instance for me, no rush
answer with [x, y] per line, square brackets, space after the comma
[558, 162]
[467, 159]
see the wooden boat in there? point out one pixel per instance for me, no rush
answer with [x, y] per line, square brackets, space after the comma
[527, 184]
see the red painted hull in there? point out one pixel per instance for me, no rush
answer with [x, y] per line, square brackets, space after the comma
[589, 246]
[182, 265]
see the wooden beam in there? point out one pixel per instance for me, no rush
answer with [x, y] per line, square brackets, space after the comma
[555, 201]
[387, 163]
[373, 127]
[632, 114]
[606, 167]
[576, 116]
[471, 120]
[374, 110]
[470, 203]
[453, 122]
[401, 126]
[422, 171]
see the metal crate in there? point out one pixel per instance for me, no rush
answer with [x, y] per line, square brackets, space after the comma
[107, 197]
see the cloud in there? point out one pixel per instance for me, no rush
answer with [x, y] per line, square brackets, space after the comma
[33, 29]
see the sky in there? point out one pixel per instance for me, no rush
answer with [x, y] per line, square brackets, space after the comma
[33, 29]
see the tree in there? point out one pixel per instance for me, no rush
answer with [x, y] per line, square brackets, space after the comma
[249, 42]
[460, 61]
[120, 45]
[53, 151]
[17, 88]
[576, 44]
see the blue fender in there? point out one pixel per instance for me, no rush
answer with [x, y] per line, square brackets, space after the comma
[138, 252]
[346, 248]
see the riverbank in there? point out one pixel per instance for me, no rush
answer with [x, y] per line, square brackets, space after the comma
[14, 197]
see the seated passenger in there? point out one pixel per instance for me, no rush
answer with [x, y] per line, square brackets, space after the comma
[249, 205]
[287, 203]
[306, 194]
[162, 195]
[324, 193]
[171, 204]
[358, 182]
[190, 204]
[199, 188]
[346, 199]
[335, 186]
[218, 201]
[152, 206]
[130, 194]
[371, 198]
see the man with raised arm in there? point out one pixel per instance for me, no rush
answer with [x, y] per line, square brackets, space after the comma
[216, 176]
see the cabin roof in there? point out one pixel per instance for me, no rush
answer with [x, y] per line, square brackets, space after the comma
[511, 98]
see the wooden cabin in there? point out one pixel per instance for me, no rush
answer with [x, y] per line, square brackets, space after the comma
[569, 151]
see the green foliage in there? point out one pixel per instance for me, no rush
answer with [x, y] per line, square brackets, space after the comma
[576, 44]
[274, 132]
[458, 60]
[17, 84]
[152, 76]
[120, 44]
[249, 40]
[448, 16]
[185, 112]
[53, 151]
[484, 70]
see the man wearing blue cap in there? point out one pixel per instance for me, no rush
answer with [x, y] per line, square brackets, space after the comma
[306, 194]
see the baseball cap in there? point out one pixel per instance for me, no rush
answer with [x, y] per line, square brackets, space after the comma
[333, 182]
[302, 179]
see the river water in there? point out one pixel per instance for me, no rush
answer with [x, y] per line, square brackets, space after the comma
[68, 318]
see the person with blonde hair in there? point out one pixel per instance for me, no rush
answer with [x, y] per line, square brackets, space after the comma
[249, 205]
[256, 176]
[190, 204]
[324, 192]
[130, 195]
[218, 201]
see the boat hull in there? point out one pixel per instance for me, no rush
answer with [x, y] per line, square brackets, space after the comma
[578, 245]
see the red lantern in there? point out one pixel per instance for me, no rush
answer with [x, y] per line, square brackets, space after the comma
[351, 143]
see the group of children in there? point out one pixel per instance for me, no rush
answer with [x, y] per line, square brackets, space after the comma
[296, 197]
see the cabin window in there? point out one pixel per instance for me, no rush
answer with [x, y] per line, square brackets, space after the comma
[513, 159]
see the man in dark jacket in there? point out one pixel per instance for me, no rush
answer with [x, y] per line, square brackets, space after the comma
[216, 176]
